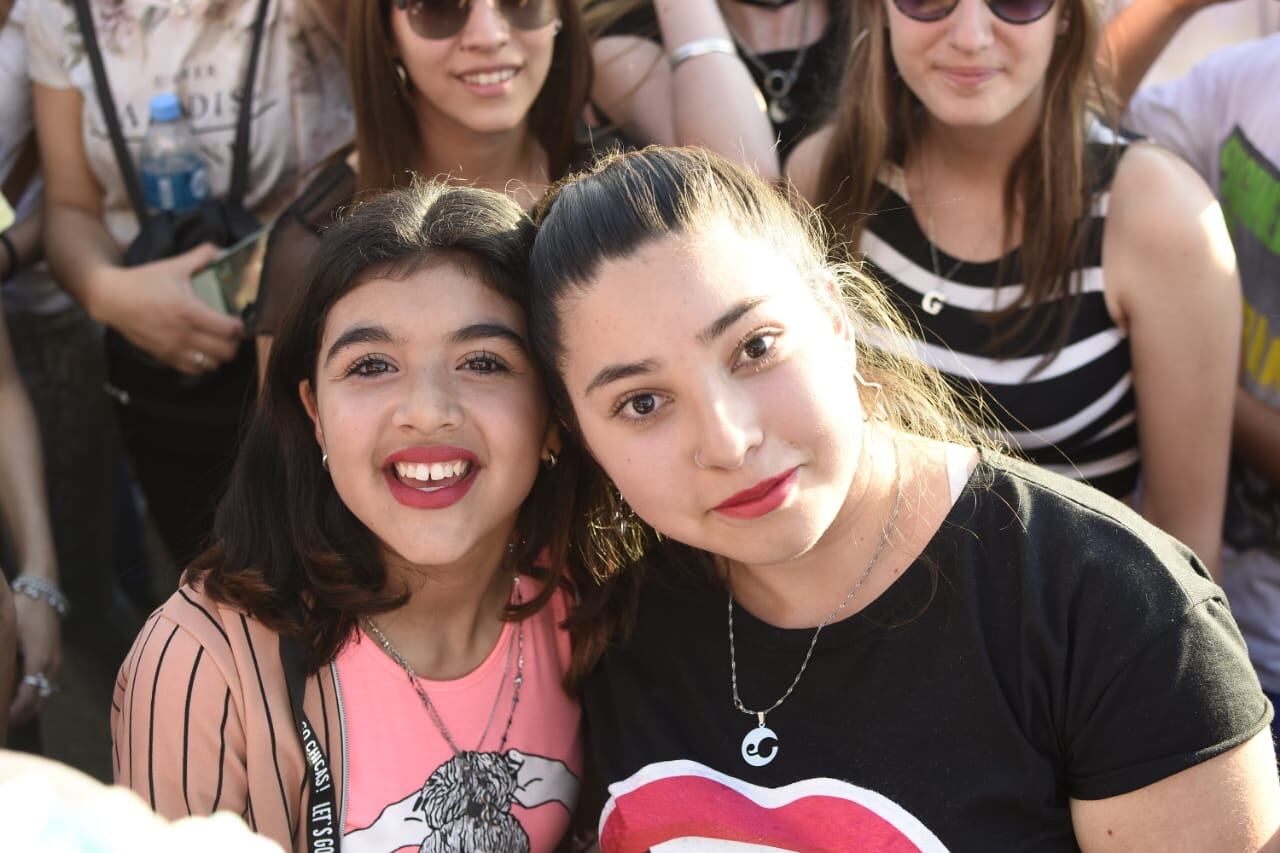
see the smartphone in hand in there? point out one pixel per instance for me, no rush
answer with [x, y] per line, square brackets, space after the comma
[229, 283]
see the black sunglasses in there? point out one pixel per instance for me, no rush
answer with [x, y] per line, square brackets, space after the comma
[442, 19]
[1009, 11]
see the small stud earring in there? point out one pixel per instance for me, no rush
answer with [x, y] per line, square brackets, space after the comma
[324, 461]
[551, 460]
[402, 73]
[557, 27]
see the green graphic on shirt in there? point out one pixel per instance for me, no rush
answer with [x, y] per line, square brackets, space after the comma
[1250, 191]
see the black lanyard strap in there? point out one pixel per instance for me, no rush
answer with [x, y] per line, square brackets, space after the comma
[324, 834]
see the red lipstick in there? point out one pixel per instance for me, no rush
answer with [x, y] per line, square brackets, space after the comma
[437, 497]
[761, 499]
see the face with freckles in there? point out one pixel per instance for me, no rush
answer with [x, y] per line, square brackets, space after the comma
[716, 390]
[431, 412]
[972, 69]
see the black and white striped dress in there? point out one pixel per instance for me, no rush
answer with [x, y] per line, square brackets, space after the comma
[1075, 414]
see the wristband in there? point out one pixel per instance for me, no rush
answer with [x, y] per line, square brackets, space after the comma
[39, 589]
[12, 252]
[700, 47]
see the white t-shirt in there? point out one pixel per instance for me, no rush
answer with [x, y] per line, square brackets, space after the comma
[199, 49]
[32, 290]
[1224, 118]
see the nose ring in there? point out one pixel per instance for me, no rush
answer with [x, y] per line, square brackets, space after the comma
[697, 461]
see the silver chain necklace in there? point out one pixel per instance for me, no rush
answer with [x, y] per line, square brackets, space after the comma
[517, 648]
[760, 746]
[778, 82]
[932, 302]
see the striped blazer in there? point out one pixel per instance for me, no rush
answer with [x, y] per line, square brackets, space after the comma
[201, 722]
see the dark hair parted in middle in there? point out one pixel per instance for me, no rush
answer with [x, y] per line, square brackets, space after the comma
[609, 212]
[286, 548]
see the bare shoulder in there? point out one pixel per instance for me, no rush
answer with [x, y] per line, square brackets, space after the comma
[1156, 196]
[804, 165]
[1163, 224]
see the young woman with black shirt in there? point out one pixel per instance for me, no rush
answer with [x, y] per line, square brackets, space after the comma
[826, 616]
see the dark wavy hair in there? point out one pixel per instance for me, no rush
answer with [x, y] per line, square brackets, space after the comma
[286, 549]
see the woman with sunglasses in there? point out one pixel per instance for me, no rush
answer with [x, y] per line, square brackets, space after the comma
[1083, 288]
[823, 617]
[744, 78]
[369, 657]
[483, 92]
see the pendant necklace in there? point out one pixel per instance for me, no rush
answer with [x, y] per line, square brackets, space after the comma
[515, 650]
[931, 303]
[778, 82]
[760, 745]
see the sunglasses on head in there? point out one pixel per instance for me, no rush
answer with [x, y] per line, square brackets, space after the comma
[1009, 11]
[442, 19]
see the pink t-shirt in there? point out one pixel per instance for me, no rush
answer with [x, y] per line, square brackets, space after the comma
[405, 787]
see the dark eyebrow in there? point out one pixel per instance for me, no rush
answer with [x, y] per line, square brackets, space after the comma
[480, 331]
[614, 372]
[358, 335]
[733, 315]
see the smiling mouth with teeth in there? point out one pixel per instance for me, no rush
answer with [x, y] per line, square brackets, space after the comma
[428, 477]
[489, 78]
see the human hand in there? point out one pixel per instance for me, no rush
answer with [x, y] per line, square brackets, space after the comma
[542, 780]
[40, 645]
[155, 309]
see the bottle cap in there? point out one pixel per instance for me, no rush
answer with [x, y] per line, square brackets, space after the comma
[165, 107]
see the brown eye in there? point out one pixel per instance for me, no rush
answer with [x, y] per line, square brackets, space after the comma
[643, 404]
[758, 347]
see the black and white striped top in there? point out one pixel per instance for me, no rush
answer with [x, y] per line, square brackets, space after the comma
[1076, 414]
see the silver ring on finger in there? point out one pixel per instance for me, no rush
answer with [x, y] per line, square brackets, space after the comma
[44, 687]
[199, 358]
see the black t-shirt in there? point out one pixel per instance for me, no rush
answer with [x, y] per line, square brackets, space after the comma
[817, 77]
[1049, 644]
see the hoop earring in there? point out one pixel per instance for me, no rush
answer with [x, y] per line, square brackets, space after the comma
[857, 374]
[402, 73]
[324, 461]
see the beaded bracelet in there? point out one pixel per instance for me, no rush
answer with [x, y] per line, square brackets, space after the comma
[39, 589]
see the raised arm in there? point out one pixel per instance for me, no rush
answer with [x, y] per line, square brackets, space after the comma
[1175, 288]
[708, 100]
[1135, 37]
[153, 304]
[25, 512]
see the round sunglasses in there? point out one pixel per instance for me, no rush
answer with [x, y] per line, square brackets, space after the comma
[1009, 11]
[442, 19]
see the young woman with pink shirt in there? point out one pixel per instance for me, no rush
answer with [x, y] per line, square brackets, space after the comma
[370, 654]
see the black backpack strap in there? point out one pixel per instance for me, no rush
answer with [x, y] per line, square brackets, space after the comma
[107, 103]
[128, 173]
[240, 151]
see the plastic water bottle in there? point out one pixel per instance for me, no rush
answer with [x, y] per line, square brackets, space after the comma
[174, 175]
